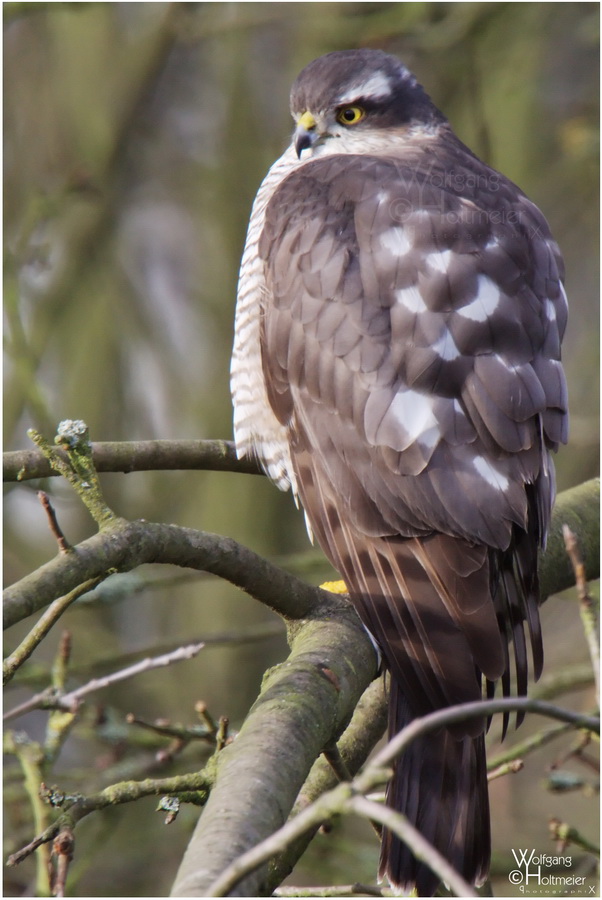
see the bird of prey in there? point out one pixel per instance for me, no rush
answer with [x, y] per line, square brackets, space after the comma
[397, 364]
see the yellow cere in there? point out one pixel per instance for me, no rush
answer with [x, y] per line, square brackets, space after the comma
[306, 121]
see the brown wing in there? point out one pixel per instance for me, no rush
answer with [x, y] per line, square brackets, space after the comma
[410, 342]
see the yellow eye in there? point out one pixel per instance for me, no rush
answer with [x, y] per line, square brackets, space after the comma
[350, 115]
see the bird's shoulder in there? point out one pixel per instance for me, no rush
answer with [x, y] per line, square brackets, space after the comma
[434, 176]
[419, 299]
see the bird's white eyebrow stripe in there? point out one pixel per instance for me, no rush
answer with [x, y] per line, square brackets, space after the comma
[375, 87]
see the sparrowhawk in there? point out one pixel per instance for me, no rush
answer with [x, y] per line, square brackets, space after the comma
[397, 364]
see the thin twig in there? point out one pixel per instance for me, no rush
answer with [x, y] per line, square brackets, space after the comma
[30, 756]
[44, 837]
[75, 808]
[221, 735]
[145, 665]
[531, 743]
[463, 711]
[336, 762]
[338, 890]
[586, 606]
[59, 723]
[564, 834]
[60, 665]
[509, 768]
[167, 729]
[200, 707]
[64, 545]
[420, 847]
[52, 700]
[577, 752]
[62, 852]
[73, 437]
[84, 671]
[43, 626]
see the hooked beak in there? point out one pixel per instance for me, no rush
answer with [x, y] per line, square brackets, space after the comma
[306, 133]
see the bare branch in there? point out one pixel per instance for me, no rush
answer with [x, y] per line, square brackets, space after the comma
[77, 807]
[125, 545]
[200, 707]
[55, 700]
[165, 728]
[64, 546]
[564, 834]
[259, 775]
[78, 469]
[321, 811]
[62, 854]
[138, 456]
[30, 755]
[341, 799]
[420, 847]
[86, 670]
[356, 743]
[45, 837]
[145, 665]
[586, 606]
[337, 890]
[528, 745]
[509, 768]
[462, 711]
[43, 626]
[333, 757]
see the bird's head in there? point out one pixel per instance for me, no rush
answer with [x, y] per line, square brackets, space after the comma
[350, 97]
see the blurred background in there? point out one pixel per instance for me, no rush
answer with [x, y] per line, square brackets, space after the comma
[135, 137]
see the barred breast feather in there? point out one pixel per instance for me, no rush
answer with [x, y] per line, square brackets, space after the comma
[257, 431]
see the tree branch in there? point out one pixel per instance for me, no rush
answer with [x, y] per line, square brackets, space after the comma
[420, 847]
[214, 871]
[586, 605]
[355, 745]
[579, 508]
[43, 626]
[137, 456]
[124, 545]
[462, 711]
[78, 807]
[304, 705]
[262, 772]
[53, 699]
